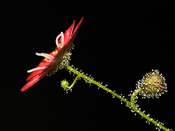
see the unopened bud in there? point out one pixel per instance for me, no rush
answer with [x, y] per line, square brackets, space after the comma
[152, 85]
[65, 84]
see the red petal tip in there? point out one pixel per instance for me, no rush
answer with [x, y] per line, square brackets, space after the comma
[22, 90]
[78, 25]
[80, 21]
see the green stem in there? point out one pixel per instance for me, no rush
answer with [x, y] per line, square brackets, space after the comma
[133, 106]
[90, 80]
[74, 82]
[130, 103]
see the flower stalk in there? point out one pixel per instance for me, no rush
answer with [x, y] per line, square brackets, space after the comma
[131, 104]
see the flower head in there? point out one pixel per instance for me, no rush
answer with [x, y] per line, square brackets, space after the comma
[153, 84]
[57, 59]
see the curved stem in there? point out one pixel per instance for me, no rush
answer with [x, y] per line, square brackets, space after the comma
[90, 80]
[73, 83]
[130, 103]
[133, 106]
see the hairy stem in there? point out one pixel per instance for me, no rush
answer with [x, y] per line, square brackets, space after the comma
[130, 103]
[90, 80]
[133, 106]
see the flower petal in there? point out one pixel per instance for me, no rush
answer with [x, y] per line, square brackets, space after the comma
[37, 72]
[51, 63]
[33, 74]
[32, 81]
[74, 33]
[67, 34]
[78, 26]
[66, 46]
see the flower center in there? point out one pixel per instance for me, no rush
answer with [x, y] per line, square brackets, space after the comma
[52, 54]
[63, 62]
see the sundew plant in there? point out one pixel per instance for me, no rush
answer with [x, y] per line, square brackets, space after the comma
[152, 85]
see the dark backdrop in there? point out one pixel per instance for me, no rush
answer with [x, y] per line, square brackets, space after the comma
[117, 44]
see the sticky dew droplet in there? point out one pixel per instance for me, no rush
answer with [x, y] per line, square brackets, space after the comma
[127, 105]
[70, 90]
[148, 115]
[161, 123]
[129, 94]
[143, 97]
[132, 110]
[158, 128]
[137, 105]
[170, 129]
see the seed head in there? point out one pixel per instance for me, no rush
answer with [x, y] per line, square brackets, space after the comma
[152, 84]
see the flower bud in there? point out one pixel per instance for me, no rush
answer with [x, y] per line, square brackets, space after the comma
[65, 84]
[152, 85]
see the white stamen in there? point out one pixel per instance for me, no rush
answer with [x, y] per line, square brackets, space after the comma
[45, 55]
[34, 69]
[57, 38]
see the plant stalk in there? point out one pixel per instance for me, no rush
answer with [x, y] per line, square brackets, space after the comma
[130, 103]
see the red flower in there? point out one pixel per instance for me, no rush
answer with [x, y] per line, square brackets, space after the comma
[51, 62]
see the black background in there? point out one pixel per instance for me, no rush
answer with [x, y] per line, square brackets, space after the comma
[117, 44]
